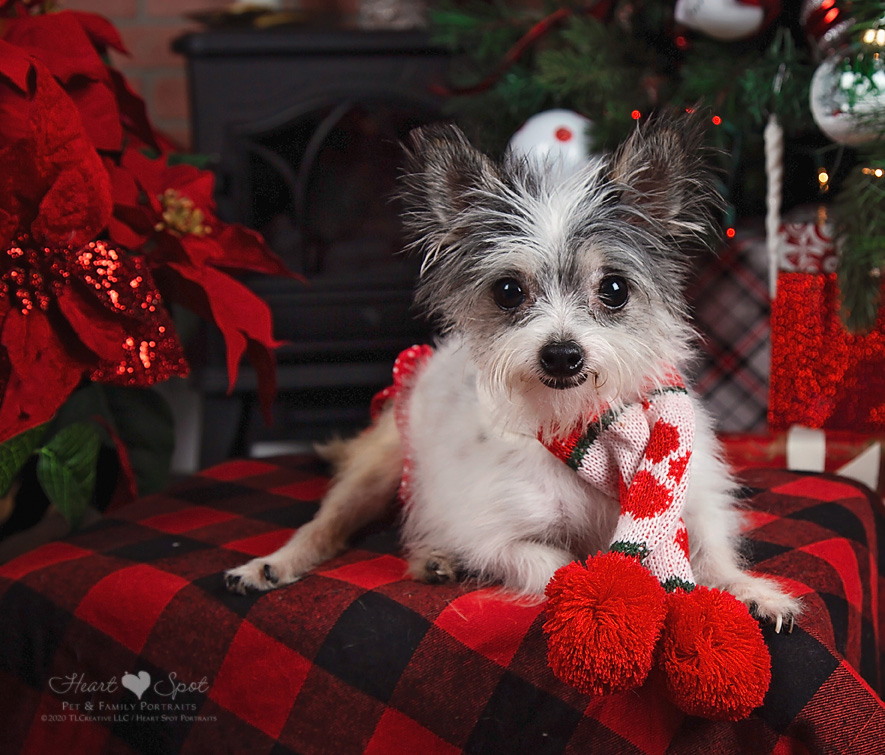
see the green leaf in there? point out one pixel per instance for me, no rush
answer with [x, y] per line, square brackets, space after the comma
[144, 422]
[202, 161]
[66, 468]
[86, 404]
[15, 452]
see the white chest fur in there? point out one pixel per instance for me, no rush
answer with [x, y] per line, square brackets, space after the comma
[477, 489]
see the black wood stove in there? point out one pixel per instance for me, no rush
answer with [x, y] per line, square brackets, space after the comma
[303, 126]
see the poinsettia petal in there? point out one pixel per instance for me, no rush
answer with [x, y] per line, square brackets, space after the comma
[23, 407]
[59, 42]
[100, 331]
[131, 223]
[195, 251]
[114, 307]
[192, 285]
[245, 249]
[148, 174]
[65, 219]
[16, 86]
[15, 66]
[44, 371]
[101, 32]
[79, 206]
[198, 185]
[126, 227]
[22, 185]
[133, 111]
[145, 359]
[155, 176]
[123, 186]
[70, 44]
[98, 112]
[240, 314]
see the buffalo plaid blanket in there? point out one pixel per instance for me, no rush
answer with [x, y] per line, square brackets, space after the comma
[121, 639]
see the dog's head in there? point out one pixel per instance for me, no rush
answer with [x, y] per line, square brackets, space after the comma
[569, 294]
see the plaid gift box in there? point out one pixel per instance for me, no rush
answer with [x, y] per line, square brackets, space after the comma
[729, 298]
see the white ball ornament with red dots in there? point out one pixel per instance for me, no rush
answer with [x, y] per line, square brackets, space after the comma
[557, 140]
[726, 20]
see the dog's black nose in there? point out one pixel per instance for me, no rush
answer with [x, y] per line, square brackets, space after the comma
[562, 360]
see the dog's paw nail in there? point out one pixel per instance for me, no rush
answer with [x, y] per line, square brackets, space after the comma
[232, 582]
[435, 574]
[269, 574]
[438, 571]
[791, 626]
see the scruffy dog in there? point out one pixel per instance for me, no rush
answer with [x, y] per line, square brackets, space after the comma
[560, 306]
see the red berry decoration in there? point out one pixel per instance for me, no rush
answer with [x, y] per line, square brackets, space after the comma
[603, 623]
[712, 654]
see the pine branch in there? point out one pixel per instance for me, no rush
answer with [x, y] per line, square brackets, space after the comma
[631, 61]
[860, 233]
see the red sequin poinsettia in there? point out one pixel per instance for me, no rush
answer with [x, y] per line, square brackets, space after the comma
[99, 232]
[168, 211]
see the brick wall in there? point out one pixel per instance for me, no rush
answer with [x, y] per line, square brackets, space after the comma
[154, 71]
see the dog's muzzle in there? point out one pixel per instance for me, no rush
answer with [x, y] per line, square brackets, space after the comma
[562, 364]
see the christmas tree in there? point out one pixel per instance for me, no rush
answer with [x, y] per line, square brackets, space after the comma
[812, 71]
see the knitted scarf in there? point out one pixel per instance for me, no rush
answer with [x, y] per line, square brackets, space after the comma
[638, 454]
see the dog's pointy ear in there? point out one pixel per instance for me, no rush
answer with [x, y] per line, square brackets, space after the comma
[663, 173]
[443, 172]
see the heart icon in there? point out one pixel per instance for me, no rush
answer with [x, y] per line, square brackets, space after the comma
[136, 684]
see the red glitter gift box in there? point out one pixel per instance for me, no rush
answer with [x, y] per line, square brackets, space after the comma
[822, 375]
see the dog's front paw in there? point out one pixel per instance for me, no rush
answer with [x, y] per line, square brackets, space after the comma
[259, 574]
[768, 602]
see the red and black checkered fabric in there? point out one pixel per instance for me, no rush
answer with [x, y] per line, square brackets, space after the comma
[357, 658]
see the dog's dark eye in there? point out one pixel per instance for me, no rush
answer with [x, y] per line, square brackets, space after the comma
[508, 293]
[613, 291]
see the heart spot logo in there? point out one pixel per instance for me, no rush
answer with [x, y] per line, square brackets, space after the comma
[136, 684]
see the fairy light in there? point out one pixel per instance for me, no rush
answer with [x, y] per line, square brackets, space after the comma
[636, 115]
[730, 232]
[823, 179]
[717, 121]
[874, 37]
[876, 172]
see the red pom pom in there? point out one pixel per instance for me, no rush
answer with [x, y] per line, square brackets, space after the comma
[603, 622]
[714, 659]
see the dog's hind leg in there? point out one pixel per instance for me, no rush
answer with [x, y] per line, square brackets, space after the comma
[369, 468]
